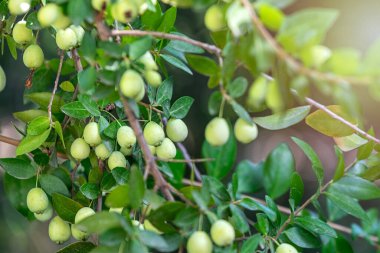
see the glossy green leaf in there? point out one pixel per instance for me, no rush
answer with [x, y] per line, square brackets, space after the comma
[58, 128]
[18, 168]
[250, 245]
[78, 247]
[136, 182]
[78, 11]
[176, 63]
[356, 187]
[315, 226]
[339, 170]
[38, 125]
[296, 189]
[52, 184]
[347, 204]
[181, 107]
[165, 91]
[89, 104]
[283, 120]
[118, 197]
[140, 47]
[250, 176]
[164, 243]
[253, 205]
[65, 207]
[75, 110]
[168, 20]
[90, 190]
[202, 64]
[100, 222]
[30, 143]
[302, 238]
[86, 80]
[43, 98]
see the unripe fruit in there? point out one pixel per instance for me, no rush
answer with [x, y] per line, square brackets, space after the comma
[141, 95]
[153, 133]
[33, 57]
[91, 134]
[18, 7]
[149, 227]
[126, 137]
[222, 233]
[137, 224]
[82, 214]
[59, 230]
[3, 79]
[102, 151]
[217, 131]
[45, 215]
[127, 151]
[48, 14]
[148, 61]
[66, 39]
[22, 34]
[62, 22]
[214, 18]
[245, 132]
[116, 210]
[124, 11]
[152, 149]
[37, 200]
[79, 33]
[166, 150]
[176, 130]
[78, 234]
[199, 242]
[286, 248]
[153, 78]
[116, 159]
[99, 4]
[131, 84]
[80, 149]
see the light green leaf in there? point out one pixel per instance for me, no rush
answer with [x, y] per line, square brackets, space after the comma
[29, 115]
[181, 107]
[202, 64]
[30, 143]
[347, 204]
[58, 129]
[43, 98]
[38, 125]
[356, 187]
[176, 63]
[75, 110]
[350, 142]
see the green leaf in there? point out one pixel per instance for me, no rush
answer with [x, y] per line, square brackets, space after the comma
[100, 222]
[238, 219]
[118, 197]
[315, 226]
[250, 245]
[356, 187]
[351, 142]
[89, 104]
[339, 170]
[86, 80]
[302, 238]
[250, 176]
[90, 191]
[58, 128]
[214, 102]
[372, 173]
[325, 124]
[165, 91]
[78, 247]
[38, 125]
[18, 168]
[65, 207]
[347, 204]
[181, 107]
[306, 28]
[16, 191]
[163, 216]
[88, 47]
[30, 143]
[283, 120]
[278, 169]
[202, 64]
[240, 111]
[183, 46]
[316, 163]
[366, 150]
[253, 205]
[139, 47]
[43, 98]
[78, 11]
[75, 110]
[12, 46]
[224, 157]
[29, 115]
[168, 20]
[52, 184]
[165, 243]
[237, 87]
[296, 189]
[136, 182]
[176, 63]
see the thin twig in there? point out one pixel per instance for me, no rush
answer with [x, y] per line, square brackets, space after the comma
[190, 164]
[139, 33]
[62, 56]
[190, 160]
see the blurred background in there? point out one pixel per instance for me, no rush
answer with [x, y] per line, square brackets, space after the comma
[357, 26]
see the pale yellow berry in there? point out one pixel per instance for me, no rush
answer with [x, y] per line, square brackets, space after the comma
[222, 233]
[80, 150]
[37, 200]
[131, 84]
[217, 132]
[18, 7]
[59, 230]
[22, 34]
[91, 134]
[176, 130]
[199, 242]
[153, 133]
[66, 39]
[166, 150]
[126, 137]
[245, 132]
[3, 79]
[102, 151]
[33, 57]
[286, 248]
[116, 159]
[48, 14]
[214, 18]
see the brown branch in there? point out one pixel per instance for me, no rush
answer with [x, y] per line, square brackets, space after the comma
[292, 62]
[62, 56]
[139, 33]
[78, 67]
[189, 160]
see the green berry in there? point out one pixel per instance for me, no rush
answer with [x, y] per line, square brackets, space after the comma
[176, 130]
[66, 39]
[83, 213]
[152, 149]
[79, 33]
[153, 133]
[148, 61]
[91, 134]
[214, 18]
[124, 11]
[48, 14]
[18, 7]
[217, 131]
[78, 234]
[80, 150]
[222, 233]
[166, 150]
[118, 210]
[286, 248]
[153, 78]
[3, 79]
[99, 4]
[116, 159]
[62, 22]
[131, 84]
[245, 132]
[102, 151]
[199, 242]
[141, 95]
[22, 34]
[127, 151]
[33, 57]
[45, 215]
[126, 137]
[37, 200]
[59, 230]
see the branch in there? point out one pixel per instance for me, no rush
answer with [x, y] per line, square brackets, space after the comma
[287, 211]
[62, 56]
[139, 33]
[189, 160]
[292, 62]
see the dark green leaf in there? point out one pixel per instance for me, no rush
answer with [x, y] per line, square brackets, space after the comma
[52, 184]
[202, 64]
[78, 11]
[118, 197]
[250, 245]
[315, 225]
[65, 207]
[347, 204]
[250, 176]
[136, 182]
[302, 238]
[168, 20]
[176, 63]
[140, 47]
[253, 205]
[356, 187]
[86, 80]
[18, 168]
[165, 91]
[78, 247]
[75, 110]
[90, 191]
[89, 104]
[181, 107]
[165, 243]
